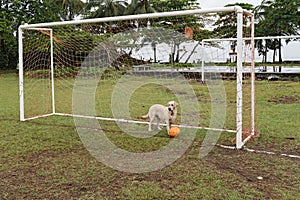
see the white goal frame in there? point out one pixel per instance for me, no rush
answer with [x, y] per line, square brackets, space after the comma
[239, 78]
[238, 10]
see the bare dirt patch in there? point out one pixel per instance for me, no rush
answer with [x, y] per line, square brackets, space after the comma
[283, 99]
[275, 172]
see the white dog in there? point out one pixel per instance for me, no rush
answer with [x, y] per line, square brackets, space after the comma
[165, 114]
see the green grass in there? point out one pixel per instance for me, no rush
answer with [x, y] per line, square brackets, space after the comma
[45, 158]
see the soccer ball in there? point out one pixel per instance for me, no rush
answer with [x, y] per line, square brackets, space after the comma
[174, 131]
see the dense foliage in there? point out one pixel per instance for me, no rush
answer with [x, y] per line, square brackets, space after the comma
[274, 17]
[14, 13]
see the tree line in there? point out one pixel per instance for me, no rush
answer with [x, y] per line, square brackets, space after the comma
[273, 18]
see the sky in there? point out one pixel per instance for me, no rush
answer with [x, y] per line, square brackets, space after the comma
[222, 3]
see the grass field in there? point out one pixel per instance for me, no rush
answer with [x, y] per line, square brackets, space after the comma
[45, 158]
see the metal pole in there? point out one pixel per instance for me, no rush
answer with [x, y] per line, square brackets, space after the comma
[252, 78]
[202, 62]
[141, 16]
[21, 79]
[52, 71]
[239, 79]
[249, 38]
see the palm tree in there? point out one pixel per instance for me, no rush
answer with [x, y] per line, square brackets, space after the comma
[69, 8]
[226, 25]
[106, 8]
[139, 7]
[261, 12]
[277, 18]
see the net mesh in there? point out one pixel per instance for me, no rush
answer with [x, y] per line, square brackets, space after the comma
[144, 62]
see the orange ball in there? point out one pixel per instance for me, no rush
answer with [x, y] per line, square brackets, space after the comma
[174, 131]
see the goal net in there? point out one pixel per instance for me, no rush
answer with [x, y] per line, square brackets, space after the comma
[113, 69]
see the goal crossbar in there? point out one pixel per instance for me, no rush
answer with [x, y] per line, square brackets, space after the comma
[237, 9]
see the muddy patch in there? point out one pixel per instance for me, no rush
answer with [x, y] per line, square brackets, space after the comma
[283, 99]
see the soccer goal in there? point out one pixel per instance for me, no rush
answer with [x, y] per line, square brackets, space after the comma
[89, 68]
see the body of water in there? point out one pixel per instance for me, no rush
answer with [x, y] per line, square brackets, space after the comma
[267, 69]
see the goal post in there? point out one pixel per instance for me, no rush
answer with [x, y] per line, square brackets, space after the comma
[149, 50]
[49, 33]
[246, 71]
